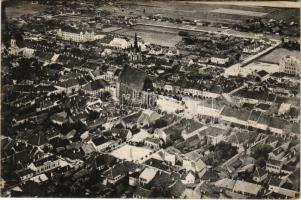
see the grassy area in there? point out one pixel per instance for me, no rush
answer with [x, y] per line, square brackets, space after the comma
[277, 54]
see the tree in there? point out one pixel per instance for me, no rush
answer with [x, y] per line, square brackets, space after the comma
[262, 150]
[160, 123]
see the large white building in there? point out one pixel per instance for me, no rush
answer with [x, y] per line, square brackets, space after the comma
[290, 65]
[76, 35]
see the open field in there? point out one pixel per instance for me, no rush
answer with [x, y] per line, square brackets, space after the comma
[22, 8]
[124, 152]
[239, 12]
[257, 66]
[155, 37]
[202, 10]
[276, 4]
[277, 54]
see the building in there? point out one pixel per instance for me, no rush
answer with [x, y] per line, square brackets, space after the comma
[147, 118]
[119, 43]
[274, 166]
[135, 51]
[101, 143]
[259, 175]
[290, 65]
[76, 35]
[214, 135]
[287, 186]
[246, 188]
[14, 49]
[147, 175]
[96, 87]
[263, 75]
[153, 143]
[219, 61]
[135, 87]
[118, 172]
[134, 178]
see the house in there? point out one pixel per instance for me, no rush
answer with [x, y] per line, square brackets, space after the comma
[96, 87]
[160, 134]
[219, 60]
[214, 135]
[263, 75]
[246, 188]
[240, 187]
[147, 118]
[279, 152]
[39, 178]
[2, 183]
[147, 176]
[287, 186]
[259, 175]
[274, 166]
[135, 87]
[101, 143]
[88, 148]
[25, 174]
[41, 166]
[130, 121]
[59, 118]
[153, 143]
[188, 178]
[38, 139]
[176, 189]
[112, 73]
[142, 193]
[95, 105]
[45, 57]
[119, 43]
[118, 172]
[48, 163]
[134, 178]
[165, 156]
[69, 86]
[196, 165]
[124, 134]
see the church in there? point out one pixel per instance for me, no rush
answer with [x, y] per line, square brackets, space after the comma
[135, 51]
[134, 87]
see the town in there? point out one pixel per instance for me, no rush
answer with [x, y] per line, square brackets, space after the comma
[149, 99]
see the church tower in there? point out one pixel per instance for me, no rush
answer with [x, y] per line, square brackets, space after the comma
[135, 51]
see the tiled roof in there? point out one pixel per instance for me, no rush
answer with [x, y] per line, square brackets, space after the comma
[247, 187]
[262, 73]
[259, 172]
[236, 113]
[145, 193]
[177, 188]
[135, 78]
[38, 139]
[99, 141]
[96, 85]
